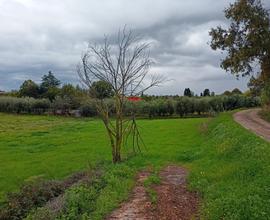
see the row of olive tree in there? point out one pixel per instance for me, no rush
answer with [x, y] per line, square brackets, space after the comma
[161, 107]
[183, 106]
[190, 106]
[24, 105]
[59, 106]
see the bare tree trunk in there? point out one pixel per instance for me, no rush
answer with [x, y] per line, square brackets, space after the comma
[119, 128]
[118, 140]
[125, 72]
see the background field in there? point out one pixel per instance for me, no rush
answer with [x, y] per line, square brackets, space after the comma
[56, 146]
[228, 165]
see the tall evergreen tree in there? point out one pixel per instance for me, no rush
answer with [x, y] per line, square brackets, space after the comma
[188, 92]
[49, 86]
[206, 92]
[49, 81]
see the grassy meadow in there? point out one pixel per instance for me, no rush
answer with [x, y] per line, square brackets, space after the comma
[54, 147]
[228, 165]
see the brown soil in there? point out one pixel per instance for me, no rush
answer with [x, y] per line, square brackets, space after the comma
[138, 205]
[174, 200]
[252, 121]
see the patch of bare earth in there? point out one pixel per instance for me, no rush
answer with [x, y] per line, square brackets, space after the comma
[174, 200]
[252, 121]
[138, 205]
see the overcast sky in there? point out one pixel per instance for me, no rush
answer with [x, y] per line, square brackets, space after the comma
[41, 35]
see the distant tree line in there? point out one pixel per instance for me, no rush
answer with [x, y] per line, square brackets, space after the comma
[49, 88]
[207, 92]
[49, 97]
[154, 107]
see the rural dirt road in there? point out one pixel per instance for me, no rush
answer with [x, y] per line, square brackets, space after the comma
[174, 200]
[252, 121]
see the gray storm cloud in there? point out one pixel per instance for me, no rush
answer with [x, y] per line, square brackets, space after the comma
[37, 36]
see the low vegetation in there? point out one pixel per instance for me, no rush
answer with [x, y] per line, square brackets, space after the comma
[230, 170]
[155, 107]
[60, 167]
[152, 180]
[265, 114]
[24, 105]
[228, 164]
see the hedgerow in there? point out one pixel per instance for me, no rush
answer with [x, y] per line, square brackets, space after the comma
[161, 107]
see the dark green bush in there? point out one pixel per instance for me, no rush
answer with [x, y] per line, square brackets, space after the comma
[88, 110]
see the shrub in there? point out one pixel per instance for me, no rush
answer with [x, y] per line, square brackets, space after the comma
[40, 106]
[30, 196]
[24, 105]
[88, 109]
[79, 200]
[158, 107]
[266, 95]
[202, 105]
[265, 113]
[41, 214]
[100, 196]
[170, 107]
[63, 104]
[36, 193]
[216, 103]
[184, 106]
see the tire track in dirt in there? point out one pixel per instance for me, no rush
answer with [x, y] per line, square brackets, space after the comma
[174, 200]
[138, 205]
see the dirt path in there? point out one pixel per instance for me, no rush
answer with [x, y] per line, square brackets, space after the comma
[252, 121]
[174, 200]
[138, 205]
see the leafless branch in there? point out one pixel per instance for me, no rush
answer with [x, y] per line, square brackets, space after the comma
[125, 66]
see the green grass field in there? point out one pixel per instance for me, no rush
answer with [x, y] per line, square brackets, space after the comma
[229, 165]
[55, 146]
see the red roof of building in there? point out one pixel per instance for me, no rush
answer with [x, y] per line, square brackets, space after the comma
[134, 98]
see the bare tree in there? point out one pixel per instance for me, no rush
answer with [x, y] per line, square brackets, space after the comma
[125, 66]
